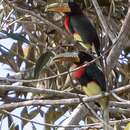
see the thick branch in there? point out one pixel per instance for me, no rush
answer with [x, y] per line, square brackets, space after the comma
[68, 101]
[77, 115]
[83, 127]
[49, 92]
[121, 43]
[103, 21]
[60, 102]
[50, 24]
[99, 125]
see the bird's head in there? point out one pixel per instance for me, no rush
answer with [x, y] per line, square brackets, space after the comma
[78, 57]
[70, 7]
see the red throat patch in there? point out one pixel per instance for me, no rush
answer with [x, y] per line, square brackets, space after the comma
[66, 23]
[78, 73]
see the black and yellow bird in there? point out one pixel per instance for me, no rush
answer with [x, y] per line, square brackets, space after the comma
[78, 24]
[90, 77]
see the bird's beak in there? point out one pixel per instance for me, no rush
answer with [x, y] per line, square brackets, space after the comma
[68, 56]
[58, 7]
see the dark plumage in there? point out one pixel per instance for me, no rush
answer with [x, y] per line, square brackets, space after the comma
[77, 22]
[91, 72]
[90, 77]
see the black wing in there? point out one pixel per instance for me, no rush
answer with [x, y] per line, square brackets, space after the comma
[95, 74]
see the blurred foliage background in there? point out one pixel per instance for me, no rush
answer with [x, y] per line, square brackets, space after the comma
[38, 36]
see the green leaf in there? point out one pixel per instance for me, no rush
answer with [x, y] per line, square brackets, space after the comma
[129, 37]
[1, 17]
[33, 126]
[41, 113]
[54, 113]
[24, 114]
[11, 123]
[42, 62]
[127, 51]
[13, 127]
[127, 127]
[33, 114]
[17, 48]
[16, 36]
[16, 127]
[10, 120]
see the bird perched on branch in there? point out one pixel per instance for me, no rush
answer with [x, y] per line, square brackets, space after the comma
[90, 77]
[77, 24]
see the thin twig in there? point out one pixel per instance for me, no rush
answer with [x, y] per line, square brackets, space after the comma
[122, 42]
[68, 101]
[51, 77]
[103, 21]
[50, 24]
[97, 125]
[38, 91]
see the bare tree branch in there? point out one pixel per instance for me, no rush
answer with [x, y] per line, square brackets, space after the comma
[40, 18]
[67, 101]
[38, 91]
[81, 127]
[78, 114]
[99, 125]
[103, 21]
[121, 43]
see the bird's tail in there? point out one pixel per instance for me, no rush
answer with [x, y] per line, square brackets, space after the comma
[105, 109]
[97, 46]
[106, 118]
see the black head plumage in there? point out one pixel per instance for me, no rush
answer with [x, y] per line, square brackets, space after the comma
[84, 57]
[75, 8]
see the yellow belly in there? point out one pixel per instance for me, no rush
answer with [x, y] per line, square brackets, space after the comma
[79, 39]
[93, 89]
